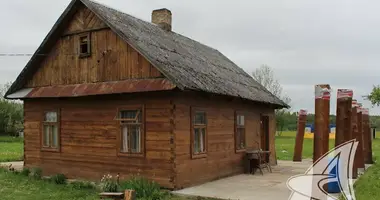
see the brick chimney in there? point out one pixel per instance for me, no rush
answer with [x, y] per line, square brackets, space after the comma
[163, 18]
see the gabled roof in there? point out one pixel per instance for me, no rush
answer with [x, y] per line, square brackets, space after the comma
[189, 64]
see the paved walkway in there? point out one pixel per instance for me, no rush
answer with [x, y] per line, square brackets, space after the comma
[18, 165]
[271, 186]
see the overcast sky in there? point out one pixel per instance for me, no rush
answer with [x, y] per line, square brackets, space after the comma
[306, 42]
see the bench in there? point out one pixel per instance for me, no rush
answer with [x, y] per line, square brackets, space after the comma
[127, 195]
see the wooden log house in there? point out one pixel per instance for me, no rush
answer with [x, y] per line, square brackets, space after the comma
[109, 93]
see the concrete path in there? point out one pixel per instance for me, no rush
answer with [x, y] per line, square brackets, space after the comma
[18, 165]
[270, 186]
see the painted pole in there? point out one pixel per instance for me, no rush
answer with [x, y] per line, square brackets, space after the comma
[301, 124]
[343, 131]
[322, 121]
[354, 130]
[359, 137]
[367, 143]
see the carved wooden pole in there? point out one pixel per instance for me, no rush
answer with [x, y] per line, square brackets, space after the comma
[359, 138]
[301, 124]
[354, 128]
[322, 121]
[343, 131]
[366, 136]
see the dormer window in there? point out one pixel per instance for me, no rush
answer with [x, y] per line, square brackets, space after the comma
[84, 45]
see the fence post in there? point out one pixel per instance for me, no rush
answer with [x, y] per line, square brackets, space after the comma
[301, 124]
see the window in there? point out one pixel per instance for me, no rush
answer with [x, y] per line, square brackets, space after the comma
[199, 133]
[131, 131]
[84, 45]
[239, 131]
[50, 131]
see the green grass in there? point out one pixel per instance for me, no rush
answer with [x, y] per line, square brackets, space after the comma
[11, 149]
[285, 146]
[19, 187]
[368, 185]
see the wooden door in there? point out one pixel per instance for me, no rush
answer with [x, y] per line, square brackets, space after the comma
[264, 134]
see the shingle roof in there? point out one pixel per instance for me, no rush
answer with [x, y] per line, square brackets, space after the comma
[187, 63]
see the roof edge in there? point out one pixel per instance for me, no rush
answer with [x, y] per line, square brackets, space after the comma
[17, 84]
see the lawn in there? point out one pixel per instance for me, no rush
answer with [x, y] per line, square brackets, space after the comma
[285, 146]
[11, 149]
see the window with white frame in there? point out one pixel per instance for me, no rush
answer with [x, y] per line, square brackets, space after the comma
[131, 131]
[50, 130]
[199, 137]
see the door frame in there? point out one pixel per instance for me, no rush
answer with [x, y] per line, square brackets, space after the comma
[264, 134]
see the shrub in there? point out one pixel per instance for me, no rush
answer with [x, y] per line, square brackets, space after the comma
[59, 179]
[36, 173]
[25, 172]
[82, 185]
[108, 184]
[144, 188]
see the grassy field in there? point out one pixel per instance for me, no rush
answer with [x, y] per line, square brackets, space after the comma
[11, 149]
[285, 146]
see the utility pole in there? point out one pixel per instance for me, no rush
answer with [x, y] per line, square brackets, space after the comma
[301, 124]
[322, 121]
[343, 131]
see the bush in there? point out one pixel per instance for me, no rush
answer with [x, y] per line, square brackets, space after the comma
[82, 185]
[108, 184]
[25, 172]
[145, 189]
[36, 173]
[59, 179]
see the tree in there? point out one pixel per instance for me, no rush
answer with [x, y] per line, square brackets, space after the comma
[266, 77]
[11, 113]
[374, 96]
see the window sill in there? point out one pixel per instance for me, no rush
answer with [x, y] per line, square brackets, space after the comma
[135, 155]
[47, 149]
[240, 150]
[198, 156]
[85, 55]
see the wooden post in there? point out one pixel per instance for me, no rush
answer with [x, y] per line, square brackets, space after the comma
[366, 136]
[359, 138]
[301, 124]
[129, 195]
[322, 121]
[354, 128]
[343, 131]
[369, 136]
